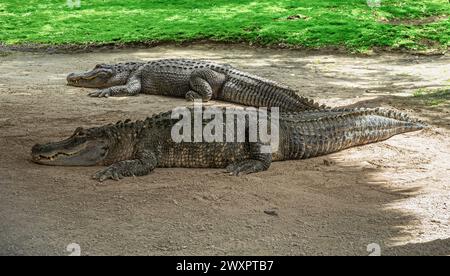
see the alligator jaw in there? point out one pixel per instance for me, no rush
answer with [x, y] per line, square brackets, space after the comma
[70, 152]
[81, 80]
[44, 159]
[55, 153]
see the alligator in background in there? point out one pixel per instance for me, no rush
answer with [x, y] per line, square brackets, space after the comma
[191, 79]
[137, 148]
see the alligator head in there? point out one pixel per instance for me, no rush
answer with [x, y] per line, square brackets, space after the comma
[102, 76]
[84, 148]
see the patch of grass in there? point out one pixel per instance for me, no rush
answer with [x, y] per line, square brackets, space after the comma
[433, 97]
[308, 23]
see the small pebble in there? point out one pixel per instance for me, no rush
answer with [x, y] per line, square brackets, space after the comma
[271, 213]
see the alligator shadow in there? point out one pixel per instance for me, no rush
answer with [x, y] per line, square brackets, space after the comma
[434, 107]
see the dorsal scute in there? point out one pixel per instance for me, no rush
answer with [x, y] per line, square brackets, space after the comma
[187, 64]
[338, 113]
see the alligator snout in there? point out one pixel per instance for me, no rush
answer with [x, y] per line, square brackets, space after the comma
[75, 77]
[71, 76]
[35, 152]
[36, 148]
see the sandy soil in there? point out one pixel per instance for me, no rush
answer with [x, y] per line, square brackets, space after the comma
[395, 193]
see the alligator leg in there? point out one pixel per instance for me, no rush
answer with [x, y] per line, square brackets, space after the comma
[258, 162]
[132, 88]
[203, 83]
[145, 163]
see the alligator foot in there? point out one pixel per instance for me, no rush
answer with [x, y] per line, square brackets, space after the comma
[102, 93]
[192, 96]
[108, 173]
[246, 167]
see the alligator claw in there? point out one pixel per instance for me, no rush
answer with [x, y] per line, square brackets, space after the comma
[192, 96]
[108, 173]
[244, 167]
[104, 93]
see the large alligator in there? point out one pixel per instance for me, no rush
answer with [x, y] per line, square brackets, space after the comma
[137, 148]
[192, 79]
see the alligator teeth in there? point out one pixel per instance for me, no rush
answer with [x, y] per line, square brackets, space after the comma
[51, 158]
[45, 157]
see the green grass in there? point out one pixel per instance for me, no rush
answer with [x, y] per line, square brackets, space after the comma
[433, 97]
[348, 23]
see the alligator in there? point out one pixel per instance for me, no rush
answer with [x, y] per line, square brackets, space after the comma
[193, 80]
[137, 148]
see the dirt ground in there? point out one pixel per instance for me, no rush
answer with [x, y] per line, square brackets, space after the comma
[395, 193]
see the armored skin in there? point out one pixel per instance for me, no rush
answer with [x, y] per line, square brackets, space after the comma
[191, 79]
[137, 148]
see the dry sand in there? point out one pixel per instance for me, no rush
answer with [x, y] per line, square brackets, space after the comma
[395, 193]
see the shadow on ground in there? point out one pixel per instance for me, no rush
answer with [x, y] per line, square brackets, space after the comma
[433, 107]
